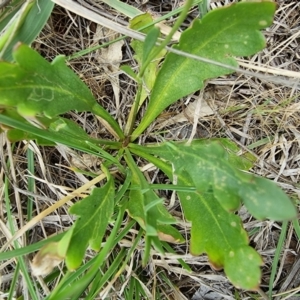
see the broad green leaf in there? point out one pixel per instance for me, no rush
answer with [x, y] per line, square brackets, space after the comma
[241, 162]
[215, 231]
[63, 244]
[264, 199]
[35, 87]
[94, 213]
[220, 35]
[208, 165]
[154, 219]
[220, 234]
[242, 268]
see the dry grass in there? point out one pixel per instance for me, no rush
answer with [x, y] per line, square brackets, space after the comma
[256, 114]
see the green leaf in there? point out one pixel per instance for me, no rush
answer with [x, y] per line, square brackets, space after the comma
[15, 135]
[215, 231]
[35, 86]
[208, 164]
[64, 243]
[29, 25]
[220, 35]
[150, 42]
[69, 128]
[86, 145]
[264, 199]
[220, 234]
[129, 72]
[94, 214]
[241, 162]
[143, 49]
[242, 268]
[126, 9]
[147, 209]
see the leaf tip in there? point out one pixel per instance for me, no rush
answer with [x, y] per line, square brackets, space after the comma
[45, 260]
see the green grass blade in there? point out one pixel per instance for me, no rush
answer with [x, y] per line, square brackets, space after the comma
[29, 249]
[55, 137]
[97, 285]
[14, 282]
[126, 9]
[279, 248]
[75, 290]
[20, 260]
[8, 13]
[121, 260]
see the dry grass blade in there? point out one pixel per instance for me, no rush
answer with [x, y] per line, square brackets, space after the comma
[39, 217]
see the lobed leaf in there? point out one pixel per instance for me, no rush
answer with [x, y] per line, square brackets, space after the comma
[220, 234]
[94, 214]
[35, 86]
[206, 165]
[220, 35]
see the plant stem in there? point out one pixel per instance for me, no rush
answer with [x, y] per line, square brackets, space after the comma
[134, 109]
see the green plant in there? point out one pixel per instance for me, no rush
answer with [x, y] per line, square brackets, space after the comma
[207, 175]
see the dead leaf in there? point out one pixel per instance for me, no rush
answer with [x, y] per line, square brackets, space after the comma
[186, 115]
[46, 260]
[110, 58]
[167, 238]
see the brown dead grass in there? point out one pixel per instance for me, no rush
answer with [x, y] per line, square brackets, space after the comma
[262, 117]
